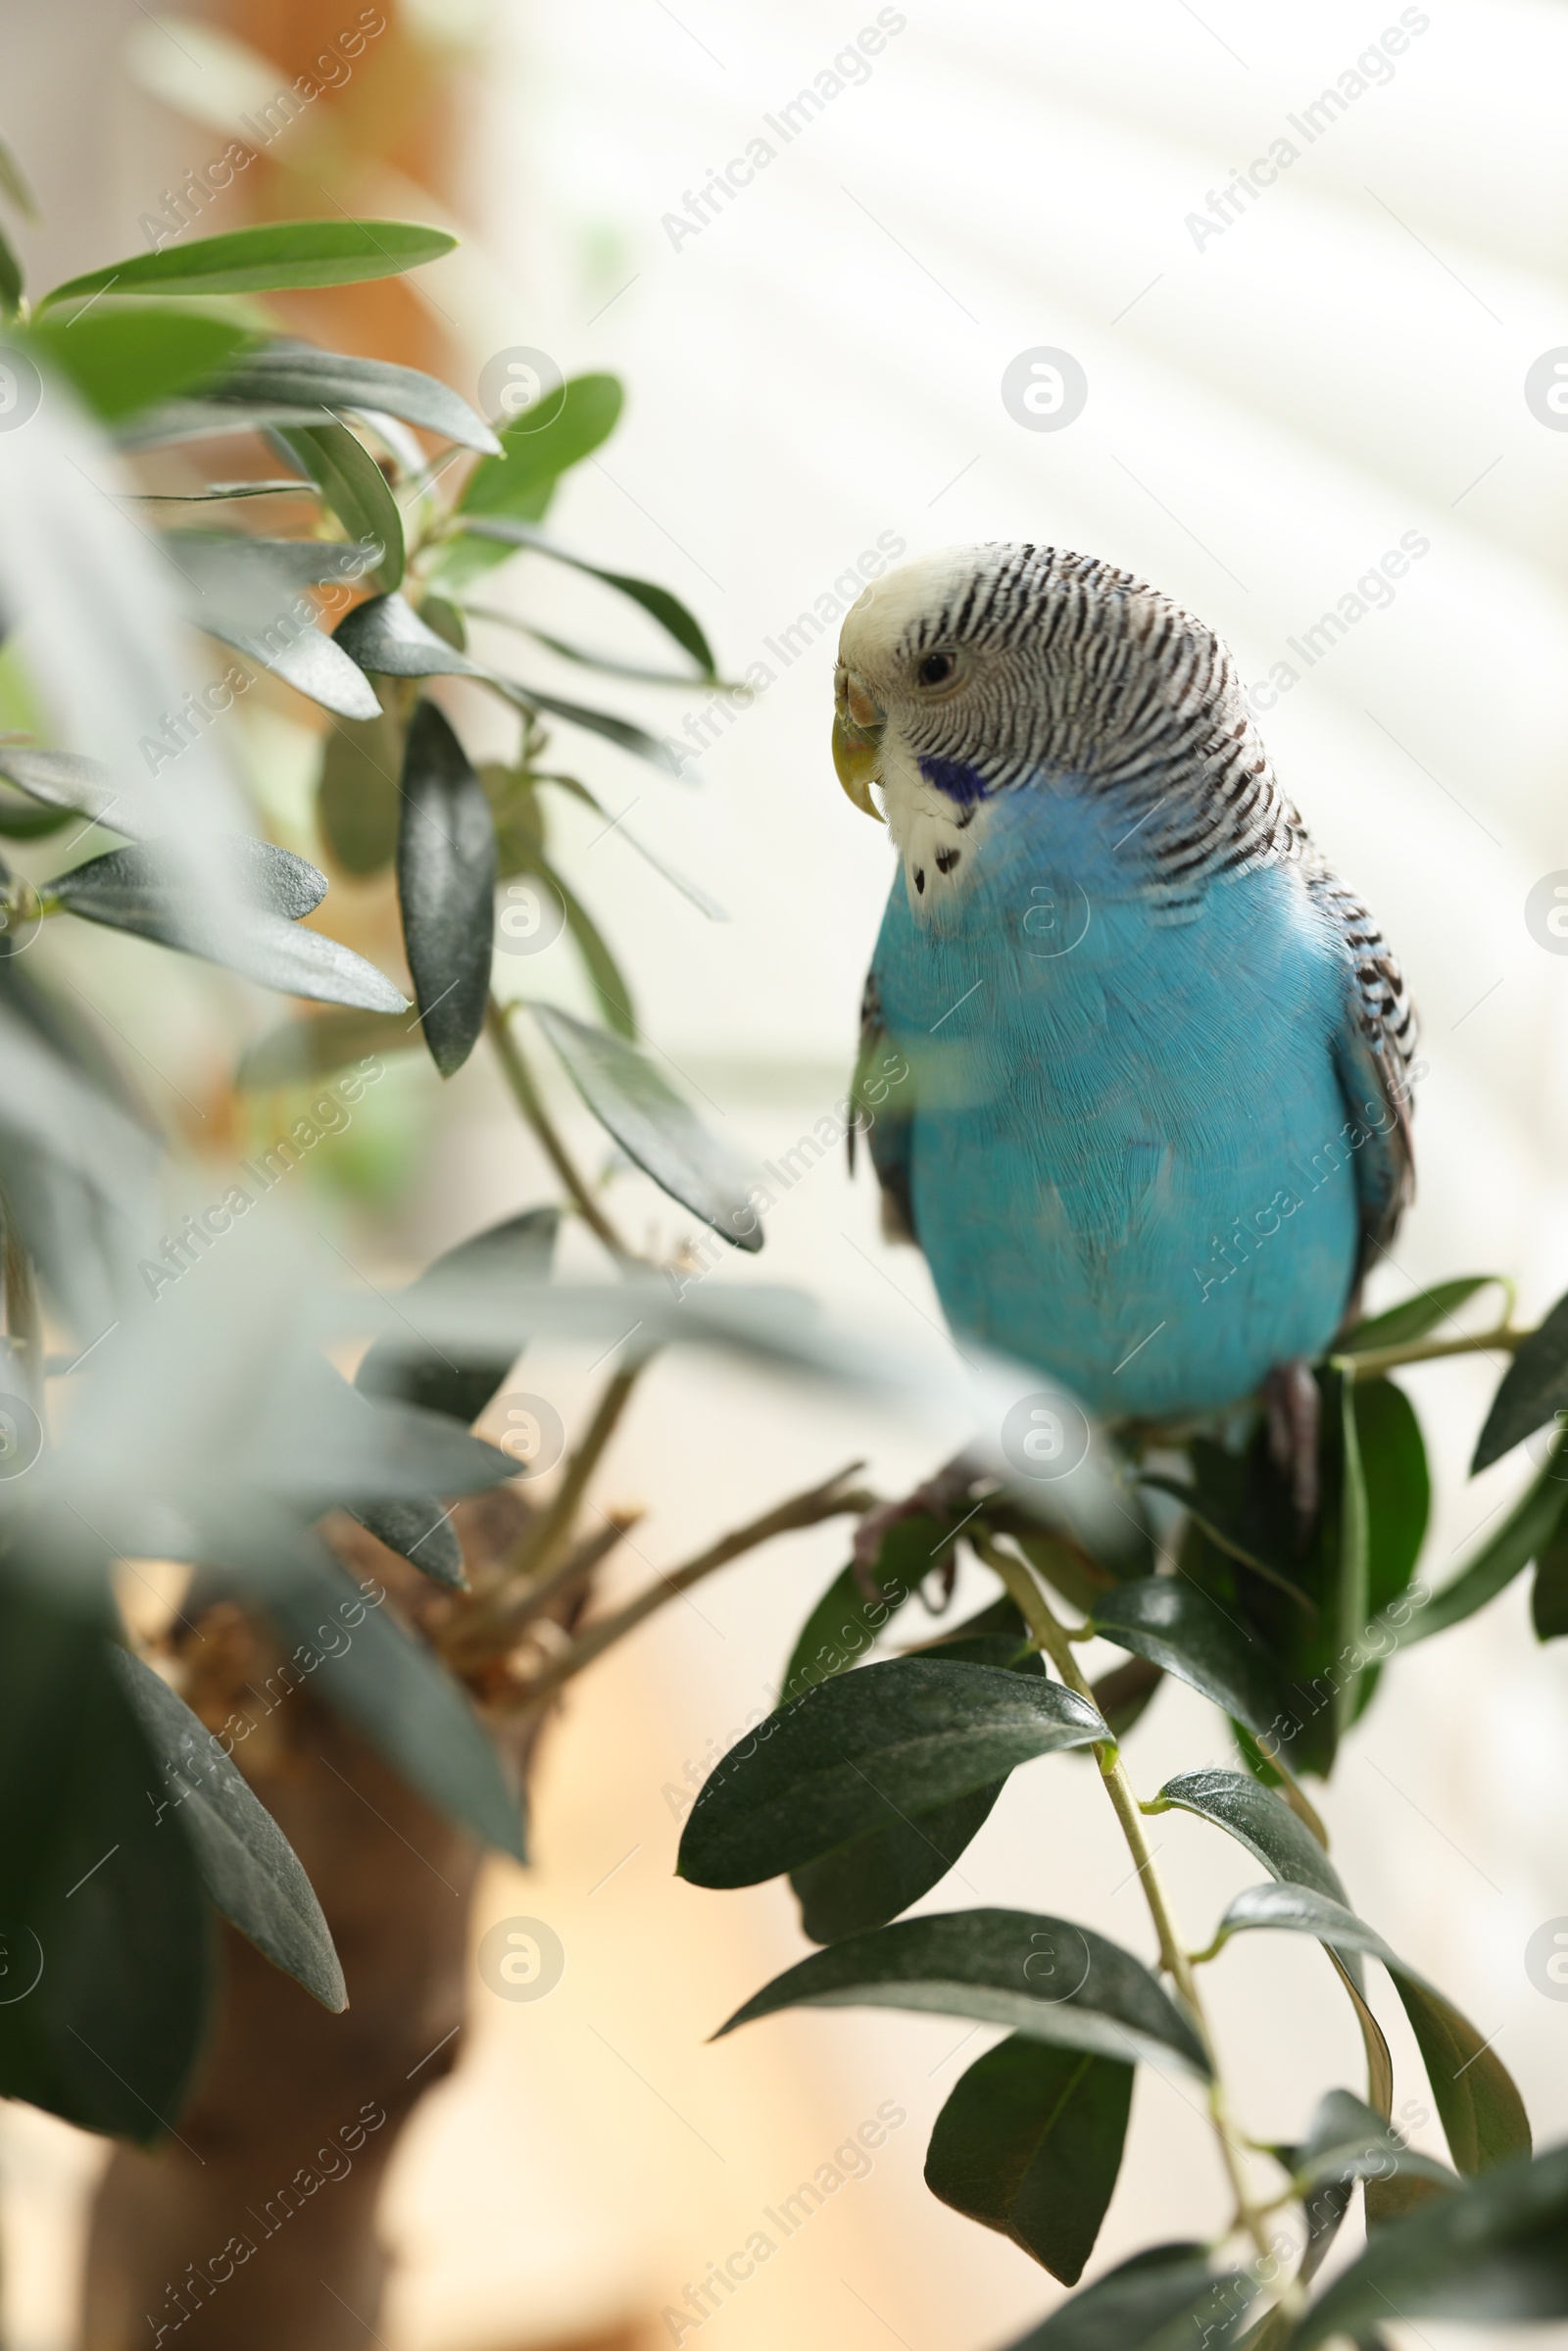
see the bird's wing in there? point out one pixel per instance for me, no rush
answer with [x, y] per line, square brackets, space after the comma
[1374, 1052]
[882, 1098]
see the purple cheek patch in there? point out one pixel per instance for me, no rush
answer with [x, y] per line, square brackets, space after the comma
[962, 784]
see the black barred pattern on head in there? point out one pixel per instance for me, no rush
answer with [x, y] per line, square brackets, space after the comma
[1079, 669]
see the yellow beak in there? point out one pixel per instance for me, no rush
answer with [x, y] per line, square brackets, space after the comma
[857, 726]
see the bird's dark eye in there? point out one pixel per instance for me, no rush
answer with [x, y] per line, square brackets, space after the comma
[936, 668]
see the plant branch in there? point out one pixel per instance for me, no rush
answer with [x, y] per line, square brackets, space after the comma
[833, 1498]
[533, 1554]
[469, 1640]
[1054, 1638]
[1378, 1359]
[519, 1078]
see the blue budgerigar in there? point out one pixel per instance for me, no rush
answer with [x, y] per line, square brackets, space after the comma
[1154, 1123]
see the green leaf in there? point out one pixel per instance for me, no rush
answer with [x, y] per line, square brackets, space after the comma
[147, 890]
[1029, 2143]
[12, 280]
[1164, 2299]
[107, 1942]
[1414, 1317]
[353, 485]
[1169, 1621]
[287, 373]
[844, 1626]
[670, 614]
[1496, 2249]
[248, 1866]
[1529, 1528]
[387, 636]
[446, 887]
[654, 1127]
[1037, 1974]
[604, 975]
[867, 1750]
[874, 1876]
[321, 1042]
[1124, 1694]
[71, 785]
[358, 802]
[1548, 1600]
[520, 1250]
[1534, 1389]
[1354, 1578]
[405, 1704]
[1347, 2141]
[120, 361]
[419, 1530]
[871, 1879]
[267, 259]
[1261, 1821]
[534, 455]
[1483, 2115]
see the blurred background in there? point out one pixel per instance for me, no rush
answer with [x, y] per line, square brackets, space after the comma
[1283, 379]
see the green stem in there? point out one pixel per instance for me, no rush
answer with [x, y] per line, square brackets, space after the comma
[1053, 1638]
[1378, 1359]
[533, 1555]
[526, 1094]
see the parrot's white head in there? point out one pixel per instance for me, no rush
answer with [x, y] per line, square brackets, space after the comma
[982, 669]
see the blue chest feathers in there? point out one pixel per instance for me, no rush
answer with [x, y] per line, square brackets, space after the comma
[1127, 1157]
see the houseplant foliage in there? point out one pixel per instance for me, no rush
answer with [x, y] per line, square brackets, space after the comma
[872, 1775]
[207, 1425]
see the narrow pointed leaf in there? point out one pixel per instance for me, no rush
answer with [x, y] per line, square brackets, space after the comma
[867, 1751]
[670, 614]
[1548, 1597]
[1534, 1389]
[145, 888]
[419, 1530]
[108, 1935]
[604, 975]
[405, 1705]
[519, 1251]
[1496, 2251]
[1261, 1821]
[1532, 1523]
[1042, 1976]
[64, 780]
[122, 361]
[1029, 2143]
[1169, 1621]
[266, 259]
[1481, 2113]
[846, 1623]
[353, 486]
[1166, 2299]
[1413, 1317]
[1353, 1575]
[1347, 2141]
[446, 887]
[386, 636]
[298, 374]
[248, 1867]
[653, 1126]
[542, 444]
